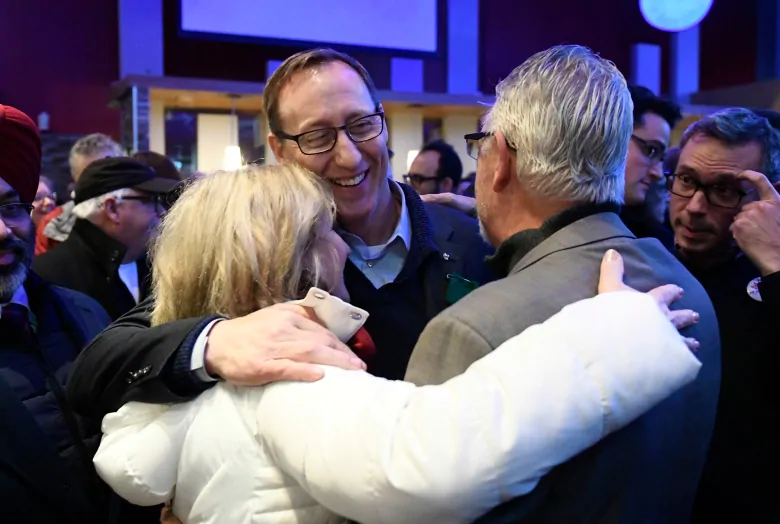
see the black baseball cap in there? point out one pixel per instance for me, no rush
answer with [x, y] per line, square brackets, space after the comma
[109, 174]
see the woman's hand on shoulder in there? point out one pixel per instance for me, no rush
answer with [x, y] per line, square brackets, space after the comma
[611, 280]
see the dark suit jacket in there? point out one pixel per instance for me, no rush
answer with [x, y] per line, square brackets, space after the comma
[645, 473]
[133, 361]
[88, 261]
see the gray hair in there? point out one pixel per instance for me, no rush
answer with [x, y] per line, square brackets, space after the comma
[89, 209]
[94, 144]
[568, 113]
[737, 126]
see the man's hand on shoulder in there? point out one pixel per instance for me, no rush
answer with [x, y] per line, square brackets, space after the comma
[277, 343]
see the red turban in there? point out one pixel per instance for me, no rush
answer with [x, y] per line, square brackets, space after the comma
[20, 153]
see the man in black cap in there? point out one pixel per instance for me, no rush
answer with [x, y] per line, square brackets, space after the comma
[118, 202]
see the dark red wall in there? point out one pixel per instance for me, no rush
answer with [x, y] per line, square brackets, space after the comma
[209, 58]
[511, 31]
[61, 57]
[729, 44]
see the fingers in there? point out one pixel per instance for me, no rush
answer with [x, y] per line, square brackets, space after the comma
[327, 354]
[611, 277]
[764, 188]
[284, 369]
[666, 295]
[292, 369]
[683, 318]
[436, 198]
[692, 343]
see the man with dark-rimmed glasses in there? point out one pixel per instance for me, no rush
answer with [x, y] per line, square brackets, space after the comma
[408, 260]
[725, 214]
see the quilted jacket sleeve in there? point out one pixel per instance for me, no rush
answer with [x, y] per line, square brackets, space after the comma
[389, 452]
[139, 454]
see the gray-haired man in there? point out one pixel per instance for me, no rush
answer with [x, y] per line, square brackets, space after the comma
[549, 181]
[56, 226]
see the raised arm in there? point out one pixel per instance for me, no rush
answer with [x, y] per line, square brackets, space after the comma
[386, 452]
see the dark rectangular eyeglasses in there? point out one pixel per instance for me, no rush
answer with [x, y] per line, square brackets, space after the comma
[323, 140]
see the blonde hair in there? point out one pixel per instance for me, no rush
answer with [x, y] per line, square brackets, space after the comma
[238, 241]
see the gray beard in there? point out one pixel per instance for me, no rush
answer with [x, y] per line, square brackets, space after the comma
[12, 278]
[11, 282]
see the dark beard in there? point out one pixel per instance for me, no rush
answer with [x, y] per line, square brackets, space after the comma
[14, 275]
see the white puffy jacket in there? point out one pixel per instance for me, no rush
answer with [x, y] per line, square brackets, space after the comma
[377, 451]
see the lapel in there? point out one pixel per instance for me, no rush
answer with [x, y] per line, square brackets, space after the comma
[434, 253]
[588, 230]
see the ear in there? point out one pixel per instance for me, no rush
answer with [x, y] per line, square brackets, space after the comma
[276, 145]
[111, 210]
[446, 185]
[504, 169]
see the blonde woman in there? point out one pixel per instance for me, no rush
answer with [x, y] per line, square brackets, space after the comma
[353, 446]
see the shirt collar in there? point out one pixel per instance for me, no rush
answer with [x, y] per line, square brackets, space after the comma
[403, 228]
[341, 318]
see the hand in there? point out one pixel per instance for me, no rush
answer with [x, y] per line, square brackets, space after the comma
[167, 516]
[611, 280]
[276, 343]
[462, 203]
[756, 228]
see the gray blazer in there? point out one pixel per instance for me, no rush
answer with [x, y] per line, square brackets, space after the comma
[649, 471]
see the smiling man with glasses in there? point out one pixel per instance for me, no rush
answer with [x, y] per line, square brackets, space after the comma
[408, 260]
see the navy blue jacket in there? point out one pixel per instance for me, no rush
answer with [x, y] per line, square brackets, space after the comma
[133, 361]
[65, 322]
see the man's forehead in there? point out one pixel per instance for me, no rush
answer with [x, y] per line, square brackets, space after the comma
[6, 191]
[325, 92]
[705, 149]
[716, 162]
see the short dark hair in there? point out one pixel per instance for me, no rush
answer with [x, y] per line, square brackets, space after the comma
[645, 101]
[738, 126]
[304, 61]
[450, 165]
[671, 159]
[772, 116]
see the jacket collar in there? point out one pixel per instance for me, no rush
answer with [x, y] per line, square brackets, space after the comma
[108, 253]
[515, 248]
[343, 319]
[423, 234]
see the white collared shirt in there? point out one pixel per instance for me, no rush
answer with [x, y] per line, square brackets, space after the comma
[383, 263]
[128, 274]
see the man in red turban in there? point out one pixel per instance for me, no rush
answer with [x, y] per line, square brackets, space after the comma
[20, 152]
[46, 450]
[20, 167]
